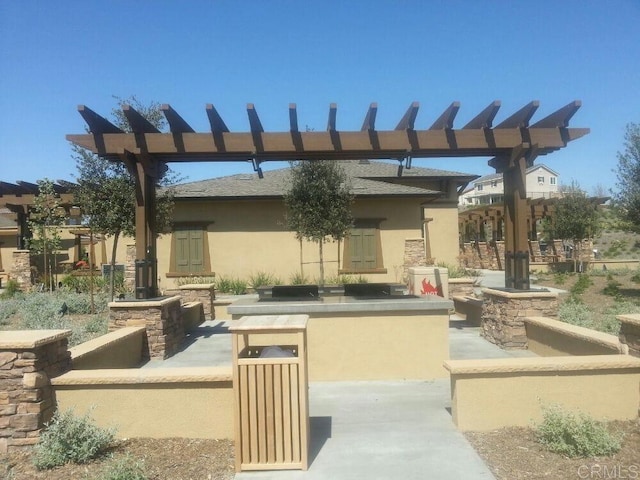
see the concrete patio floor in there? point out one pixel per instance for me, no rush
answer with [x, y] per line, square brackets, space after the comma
[372, 430]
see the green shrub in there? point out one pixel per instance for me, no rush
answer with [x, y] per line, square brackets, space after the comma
[231, 285]
[299, 279]
[262, 279]
[10, 289]
[581, 284]
[69, 438]
[613, 287]
[574, 435]
[575, 312]
[124, 468]
[636, 278]
[560, 278]
[8, 308]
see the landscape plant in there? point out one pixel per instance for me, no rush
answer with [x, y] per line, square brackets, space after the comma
[71, 438]
[261, 279]
[575, 435]
[318, 203]
[627, 197]
[45, 221]
[124, 468]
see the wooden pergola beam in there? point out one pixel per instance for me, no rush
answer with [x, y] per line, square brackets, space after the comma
[369, 123]
[485, 118]
[97, 125]
[137, 122]
[560, 118]
[254, 119]
[333, 113]
[521, 118]
[176, 123]
[446, 119]
[407, 122]
[215, 120]
[293, 117]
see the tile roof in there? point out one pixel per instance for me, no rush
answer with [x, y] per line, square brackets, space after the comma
[367, 178]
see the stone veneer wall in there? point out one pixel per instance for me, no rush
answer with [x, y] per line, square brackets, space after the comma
[130, 268]
[28, 360]
[461, 287]
[21, 269]
[204, 293]
[414, 255]
[630, 332]
[485, 255]
[162, 318]
[503, 314]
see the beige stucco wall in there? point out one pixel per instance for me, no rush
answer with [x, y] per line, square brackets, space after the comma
[443, 232]
[496, 393]
[119, 349]
[387, 346]
[246, 237]
[156, 403]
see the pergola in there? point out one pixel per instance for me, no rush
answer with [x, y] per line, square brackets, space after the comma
[20, 196]
[513, 144]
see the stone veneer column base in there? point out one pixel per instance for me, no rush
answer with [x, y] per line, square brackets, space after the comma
[630, 332]
[162, 318]
[21, 269]
[197, 292]
[28, 360]
[503, 314]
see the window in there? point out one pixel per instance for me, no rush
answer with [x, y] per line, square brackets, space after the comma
[541, 180]
[552, 180]
[479, 187]
[363, 249]
[189, 250]
[494, 183]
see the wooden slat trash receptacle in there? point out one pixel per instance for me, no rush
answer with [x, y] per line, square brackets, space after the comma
[270, 385]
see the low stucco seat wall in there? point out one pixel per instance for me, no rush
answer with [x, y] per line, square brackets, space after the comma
[494, 393]
[158, 403]
[119, 349]
[548, 337]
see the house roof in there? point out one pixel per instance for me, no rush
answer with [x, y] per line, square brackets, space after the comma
[370, 178]
[498, 176]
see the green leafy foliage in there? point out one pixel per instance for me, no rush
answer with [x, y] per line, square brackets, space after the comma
[613, 287]
[299, 279]
[261, 279]
[233, 285]
[319, 203]
[70, 438]
[124, 468]
[581, 285]
[627, 199]
[575, 435]
[10, 289]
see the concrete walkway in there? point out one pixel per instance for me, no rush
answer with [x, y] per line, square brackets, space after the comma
[373, 430]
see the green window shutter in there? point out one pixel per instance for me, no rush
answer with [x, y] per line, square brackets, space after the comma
[182, 250]
[189, 252]
[363, 248]
[196, 253]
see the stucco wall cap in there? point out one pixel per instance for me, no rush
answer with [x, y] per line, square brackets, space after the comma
[582, 333]
[25, 339]
[542, 364]
[516, 295]
[145, 303]
[631, 318]
[104, 341]
[129, 376]
[197, 286]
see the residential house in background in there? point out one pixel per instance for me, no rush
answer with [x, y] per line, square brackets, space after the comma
[542, 182]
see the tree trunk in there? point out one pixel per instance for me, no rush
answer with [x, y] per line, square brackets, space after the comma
[320, 242]
[112, 277]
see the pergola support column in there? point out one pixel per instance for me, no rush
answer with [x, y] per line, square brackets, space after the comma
[513, 169]
[146, 266]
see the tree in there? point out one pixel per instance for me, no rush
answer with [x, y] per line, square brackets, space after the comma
[319, 203]
[106, 190]
[45, 220]
[576, 219]
[627, 199]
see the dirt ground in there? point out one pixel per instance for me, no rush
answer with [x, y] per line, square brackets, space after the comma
[164, 459]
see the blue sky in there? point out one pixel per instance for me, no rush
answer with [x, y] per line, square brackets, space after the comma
[57, 55]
